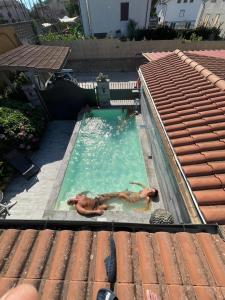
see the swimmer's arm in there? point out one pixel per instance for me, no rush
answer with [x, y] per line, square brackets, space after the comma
[87, 212]
[84, 193]
[137, 183]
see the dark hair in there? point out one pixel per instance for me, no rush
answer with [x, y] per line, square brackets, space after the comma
[155, 193]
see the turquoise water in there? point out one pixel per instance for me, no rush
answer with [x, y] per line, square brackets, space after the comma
[107, 155]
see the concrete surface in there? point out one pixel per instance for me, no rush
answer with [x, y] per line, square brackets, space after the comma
[32, 196]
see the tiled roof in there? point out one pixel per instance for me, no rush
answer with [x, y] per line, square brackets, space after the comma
[216, 65]
[209, 53]
[34, 57]
[69, 264]
[190, 100]
[151, 56]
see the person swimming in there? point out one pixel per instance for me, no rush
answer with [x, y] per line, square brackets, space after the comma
[88, 206]
[145, 194]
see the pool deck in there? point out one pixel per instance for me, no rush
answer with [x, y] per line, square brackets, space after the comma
[33, 198]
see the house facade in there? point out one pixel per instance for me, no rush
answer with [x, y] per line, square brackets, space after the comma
[179, 13]
[213, 14]
[111, 17]
[13, 11]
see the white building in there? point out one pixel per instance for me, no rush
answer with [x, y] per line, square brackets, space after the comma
[179, 13]
[13, 11]
[102, 17]
[213, 14]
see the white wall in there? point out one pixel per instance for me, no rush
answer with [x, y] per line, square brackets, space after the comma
[105, 15]
[172, 11]
[212, 9]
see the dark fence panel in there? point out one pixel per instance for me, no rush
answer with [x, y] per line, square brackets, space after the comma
[64, 100]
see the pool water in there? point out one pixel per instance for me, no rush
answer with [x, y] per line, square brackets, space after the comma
[107, 156]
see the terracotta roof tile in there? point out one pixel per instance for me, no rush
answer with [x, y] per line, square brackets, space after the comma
[69, 264]
[208, 197]
[214, 213]
[188, 91]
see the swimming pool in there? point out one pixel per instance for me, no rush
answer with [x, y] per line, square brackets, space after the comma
[107, 156]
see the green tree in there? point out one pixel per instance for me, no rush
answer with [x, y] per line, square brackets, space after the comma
[72, 8]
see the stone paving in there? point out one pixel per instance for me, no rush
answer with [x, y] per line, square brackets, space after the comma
[32, 196]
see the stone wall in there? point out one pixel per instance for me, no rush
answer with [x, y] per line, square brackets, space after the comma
[116, 49]
[114, 55]
[24, 31]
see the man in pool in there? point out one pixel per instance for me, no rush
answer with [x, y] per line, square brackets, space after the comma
[88, 206]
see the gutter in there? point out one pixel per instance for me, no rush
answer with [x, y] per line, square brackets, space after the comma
[89, 17]
[200, 215]
[117, 226]
[146, 15]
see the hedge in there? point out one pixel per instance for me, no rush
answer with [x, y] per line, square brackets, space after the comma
[168, 33]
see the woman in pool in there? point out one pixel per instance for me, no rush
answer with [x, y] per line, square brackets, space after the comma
[88, 206]
[145, 194]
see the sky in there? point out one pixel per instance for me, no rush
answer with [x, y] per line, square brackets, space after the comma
[28, 2]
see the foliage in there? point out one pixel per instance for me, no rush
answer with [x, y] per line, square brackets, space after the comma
[153, 8]
[168, 33]
[3, 21]
[72, 8]
[21, 125]
[195, 38]
[208, 33]
[101, 77]
[199, 33]
[71, 33]
[131, 29]
[14, 91]
[160, 33]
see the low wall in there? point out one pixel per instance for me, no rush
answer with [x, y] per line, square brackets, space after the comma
[24, 31]
[116, 49]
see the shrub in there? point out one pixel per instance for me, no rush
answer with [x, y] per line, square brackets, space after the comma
[21, 125]
[160, 33]
[208, 33]
[131, 29]
[139, 34]
[69, 33]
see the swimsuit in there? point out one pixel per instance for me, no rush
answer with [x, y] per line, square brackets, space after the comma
[96, 203]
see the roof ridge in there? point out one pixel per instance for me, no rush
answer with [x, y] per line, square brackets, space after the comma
[209, 75]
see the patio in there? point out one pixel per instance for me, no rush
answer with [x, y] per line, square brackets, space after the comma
[32, 196]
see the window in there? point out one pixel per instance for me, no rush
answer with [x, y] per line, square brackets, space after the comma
[206, 20]
[124, 12]
[181, 13]
[178, 1]
[216, 20]
[188, 25]
[191, 1]
[185, 1]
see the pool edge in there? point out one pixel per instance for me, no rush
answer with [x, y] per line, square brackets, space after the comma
[49, 209]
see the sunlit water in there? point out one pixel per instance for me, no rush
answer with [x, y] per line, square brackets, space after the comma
[107, 156]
